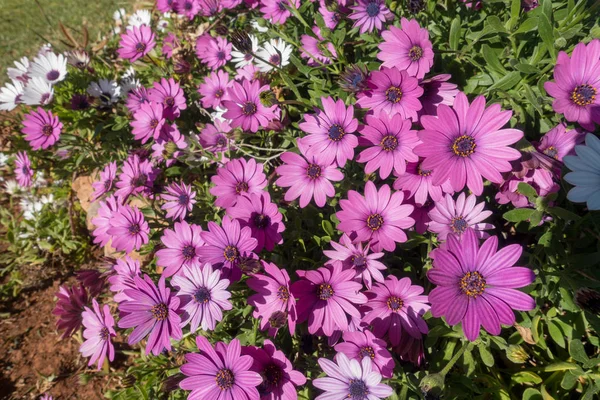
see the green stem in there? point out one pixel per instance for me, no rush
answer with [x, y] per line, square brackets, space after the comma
[455, 358]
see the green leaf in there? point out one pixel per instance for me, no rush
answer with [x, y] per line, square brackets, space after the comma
[556, 334]
[327, 227]
[569, 381]
[495, 24]
[560, 366]
[577, 351]
[532, 394]
[527, 68]
[515, 9]
[526, 377]
[486, 355]
[528, 25]
[455, 33]
[546, 32]
[527, 190]
[518, 214]
[564, 214]
[509, 81]
[535, 219]
[491, 59]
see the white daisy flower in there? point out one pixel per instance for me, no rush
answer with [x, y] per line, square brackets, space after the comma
[39, 180]
[51, 67]
[162, 25]
[37, 91]
[47, 199]
[242, 59]
[12, 187]
[116, 30]
[256, 26]
[10, 95]
[139, 18]
[21, 72]
[218, 114]
[119, 15]
[78, 58]
[106, 90]
[30, 208]
[3, 160]
[45, 49]
[276, 52]
[586, 173]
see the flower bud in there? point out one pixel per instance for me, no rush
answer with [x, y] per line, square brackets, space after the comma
[432, 385]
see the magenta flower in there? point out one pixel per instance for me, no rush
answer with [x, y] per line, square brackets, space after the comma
[214, 52]
[147, 121]
[245, 109]
[392, 143]
[418, 183]
[203, 294]
[99, 328]
[225, 244]
[219, 373]
[379, 216]
[41, 129]
[70, 303]
[466, 144]
[107, 178]
[327, 298]
[273, 302]
[179, 200]
[407, 49]
[170, 43]
[153, 312]
[263, 217]
[235, 179]
[216, 137]
[187, 8]
[576, 86]
[359, 345]
[350, 256]
[170, 95]
[559, 142]
[167, 148]
[454, 218]
[136, 176]
[330, 132]
[477, 285]
[392, 91]
[396, 307]
[106, 211]
[421, 216]
[165, 6]
[135, 98]
[182, 247]
[313, 48]
[540, 179]
[23, 171]
[214, 89]
[331, 18]
[136, 43]
[437, 90]
[126, 269]
[410, 349]
[128, 229]
[370, 15]
[277, 11]
[350, 379]
[279, 376]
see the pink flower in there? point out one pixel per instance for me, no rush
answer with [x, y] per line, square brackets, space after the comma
[216, 137]
[128, 229]
[370, 15]
[41, 129]
[312, 48]
[182, 248]
[107, 178]
[245, 109]
[23, 171]
[170, 42]
[126, 269]
[437, 90]
[276, 11]
[70, 304]
[136, 98]
[188, 8]
[418, 183]
[102, 220]
[235, 179]
[214, 52]
[170, 95]
[359, 345]
[147, 121]
[99, 328]
[136, 43]
[179, 200]
[450, 218]
[136, 177]
[214, 89]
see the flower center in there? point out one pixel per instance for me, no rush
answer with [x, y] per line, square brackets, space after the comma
[188, 252]
[104, 333]
[325, 291]
[47, 130]
[357, 390]
[283, 293]
[188, 5]
[25, 170]
[464, 146]
[184, 199]
[389, 143]
[221, 141]
[272, 374]
[313, 171]
[221, 55]
[423, 172]
[372, 9]
[170, 101]
[459, 225]
[281, 6]
[394, 303]
[336, 132]
[583, 95]
[261, 221]
[241, 187]
[219, 93]
[374, 221]
[52, 75]
[134, 229]
[277, 319]
[551, 152]
[160, 311]
[366, 351]
[231, 253]
[224, 379]
[415, 53]
[359, 260]
[248, 56]
[275, 59]
[154, 123]
[140, 47]
[249, 108]
[393, 94]
[106, 97]
[472, 284]
[202, 295]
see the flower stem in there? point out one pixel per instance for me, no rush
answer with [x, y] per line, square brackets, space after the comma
[455, 358]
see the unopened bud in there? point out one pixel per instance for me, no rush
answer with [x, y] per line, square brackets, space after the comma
[432, 385]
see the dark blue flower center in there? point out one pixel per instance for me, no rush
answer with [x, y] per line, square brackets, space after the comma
[249, 108]
[357, 390]
[219, 93]
[106, 97]
[394, 303]
[52, 75]
[336, 132]
[374, 221]
[202, 295]
[389, 143]
[472, 284]
[47, 130]
[184, 199]
[359, 261]
[160, 311]
[221, 55]
[104, 333]
[372, 9]
[225, 379]
[393, 94]
[415, 53]
[313, 171]
[261, 221]
[325, 291]
[140, 47]
[584, 95]
[231, 253]
[281, 6]
[459, 225]
[188, 252]
[169, 101]
[275, 59]
[464, 146]
[221, 141]
[272, 374]
[134, 229]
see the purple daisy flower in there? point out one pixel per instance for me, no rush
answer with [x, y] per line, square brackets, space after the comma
[392, 143]
[327, 298]
[396, 307]
[559, 142]
[136, 43]
[99, 328]
[466, 144]
[273, 302]
[359, 345]
[187, 8]
[331, 18]
[330, 132]
[410, 350]
[214, 89]
[307, 177]
[216, 137]
[312, 48]
[101, 221]
[235, 179]
[165, 6]
[170, 95]
[179, 200]
[225, 244]
[219, 373]
[350, 379]
[418, 183]
[454, 218]
[379, 216]
[128, 229]
[167, 148]
[107, 178]
[370, 15]
[421, 216]
[279, 377]
[407, 49]
[437, 90]
[392, 91]
[277, 11]
[182, 248]
[23, 171]
[147, 121]
[136, 176]
[135, 98]
[41, 129]
[170, 43]
[203, 294]
[477, 285]
[244, 107]
[214, 52]
[153, 312]
[126, 269]
[576, 86]
[70, 303]
[262, 216]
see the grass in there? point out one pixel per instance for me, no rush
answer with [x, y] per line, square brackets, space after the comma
[27, 24]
